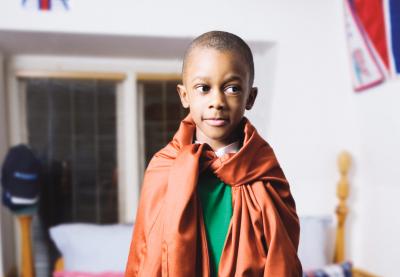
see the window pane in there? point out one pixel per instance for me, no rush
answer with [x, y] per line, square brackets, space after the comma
[163, 112]
[72, 126]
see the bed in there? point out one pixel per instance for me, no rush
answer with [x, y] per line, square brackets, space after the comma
[90, 250]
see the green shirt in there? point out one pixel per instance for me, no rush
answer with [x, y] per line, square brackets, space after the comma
[216, 202]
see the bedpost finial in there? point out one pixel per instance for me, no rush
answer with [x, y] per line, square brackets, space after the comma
[344, 162]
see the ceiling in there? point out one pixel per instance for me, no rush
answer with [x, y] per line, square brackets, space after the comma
[45, 43]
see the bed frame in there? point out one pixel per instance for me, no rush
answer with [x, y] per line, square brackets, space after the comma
[344, 164]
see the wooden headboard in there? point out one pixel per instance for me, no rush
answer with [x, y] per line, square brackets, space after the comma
[344, 163]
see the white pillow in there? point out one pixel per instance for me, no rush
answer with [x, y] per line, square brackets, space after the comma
[93, 248]
[316, 241]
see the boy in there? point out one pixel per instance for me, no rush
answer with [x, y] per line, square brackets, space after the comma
[215, 201]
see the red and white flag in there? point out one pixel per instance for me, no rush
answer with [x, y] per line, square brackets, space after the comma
[373, 36]
[366, 70]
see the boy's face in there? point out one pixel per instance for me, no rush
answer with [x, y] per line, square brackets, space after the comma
[216, 88]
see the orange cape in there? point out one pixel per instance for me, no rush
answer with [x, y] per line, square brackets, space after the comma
[169, 238]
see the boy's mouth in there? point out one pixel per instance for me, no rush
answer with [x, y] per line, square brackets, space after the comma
[216, 122]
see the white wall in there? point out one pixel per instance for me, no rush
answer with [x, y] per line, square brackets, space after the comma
[305, 90]
[7, 258]
[3, 124]
[2, 147]
[316, 114]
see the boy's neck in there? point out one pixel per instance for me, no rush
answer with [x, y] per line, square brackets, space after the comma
[218, 144]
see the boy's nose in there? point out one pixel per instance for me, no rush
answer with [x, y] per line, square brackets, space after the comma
[217, 100]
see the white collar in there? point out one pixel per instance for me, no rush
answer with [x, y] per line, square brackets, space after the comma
[230, 148]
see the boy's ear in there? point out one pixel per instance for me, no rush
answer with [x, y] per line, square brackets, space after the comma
[252, 98]
[183, 95]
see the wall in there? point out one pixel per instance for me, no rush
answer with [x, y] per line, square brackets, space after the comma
[305, 92]
[376, 224]
[7, 259]
[2, 147]
[315, 115]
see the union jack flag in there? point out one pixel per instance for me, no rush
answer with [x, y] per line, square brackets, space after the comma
[46, 5]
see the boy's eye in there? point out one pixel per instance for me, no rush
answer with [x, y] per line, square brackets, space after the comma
[202, 88]
[233, 89]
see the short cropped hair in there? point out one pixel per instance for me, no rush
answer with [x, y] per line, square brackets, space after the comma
[222, 41]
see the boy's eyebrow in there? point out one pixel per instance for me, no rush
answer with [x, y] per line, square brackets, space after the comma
[233, 77]
[229, 78]
[199, 78]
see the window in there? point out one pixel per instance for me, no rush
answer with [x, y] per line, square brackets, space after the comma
[161, 112]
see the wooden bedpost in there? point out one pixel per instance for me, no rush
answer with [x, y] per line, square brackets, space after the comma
[344, 162]
[27, 269]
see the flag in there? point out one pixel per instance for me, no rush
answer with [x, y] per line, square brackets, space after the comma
[366, 70]
[370, 14]
[373, 36]
[45, 5]
[393, 12]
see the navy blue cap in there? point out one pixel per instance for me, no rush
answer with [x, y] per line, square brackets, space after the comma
[21, 177]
